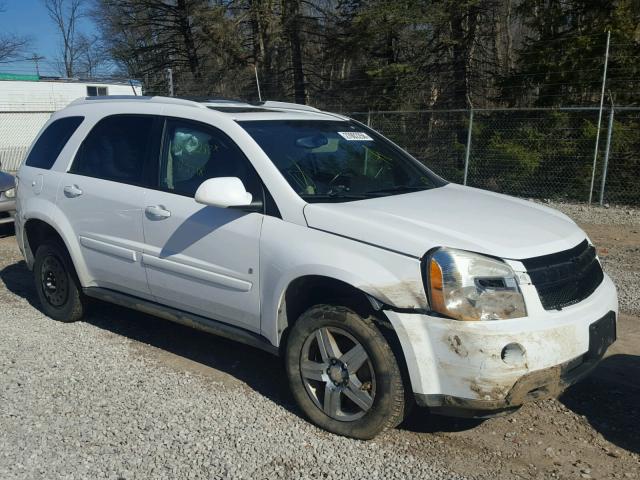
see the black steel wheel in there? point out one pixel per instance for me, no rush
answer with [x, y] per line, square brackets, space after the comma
[54, 281]
[57, 284]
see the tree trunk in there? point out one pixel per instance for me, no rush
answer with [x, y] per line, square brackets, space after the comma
[463, 34]
[459, 62]
[184, 24]
[509, 49]
[260, 10]
[291, 20]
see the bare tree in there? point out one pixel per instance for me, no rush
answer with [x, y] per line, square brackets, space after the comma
[148, 36]
[92, 59]
[12, 47]
[66, 14]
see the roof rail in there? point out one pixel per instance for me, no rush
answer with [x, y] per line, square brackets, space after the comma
[111, 98]
[203, 103]
[212, 99]
[287, 106]
[222, 101]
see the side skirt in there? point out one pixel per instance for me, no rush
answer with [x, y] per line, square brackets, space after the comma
[184, 318]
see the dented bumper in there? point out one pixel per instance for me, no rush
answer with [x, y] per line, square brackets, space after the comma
[545, 383]
[465, 368]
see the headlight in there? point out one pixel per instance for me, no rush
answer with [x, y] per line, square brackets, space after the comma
[11, 193]
[468, 286]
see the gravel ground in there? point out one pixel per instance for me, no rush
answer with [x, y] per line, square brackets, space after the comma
[606, 215]
[125, 396]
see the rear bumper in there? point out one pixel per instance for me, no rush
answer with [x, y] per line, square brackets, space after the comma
[460, 368]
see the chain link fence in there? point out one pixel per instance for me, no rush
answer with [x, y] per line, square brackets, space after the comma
[17, 132]
[537, 153]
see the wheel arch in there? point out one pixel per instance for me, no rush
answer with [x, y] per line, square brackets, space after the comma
[44, 223]
[307, 290]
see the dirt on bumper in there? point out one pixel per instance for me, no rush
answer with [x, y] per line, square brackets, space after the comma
[537, 385]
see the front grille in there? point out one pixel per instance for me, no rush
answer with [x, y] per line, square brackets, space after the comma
[565, 278]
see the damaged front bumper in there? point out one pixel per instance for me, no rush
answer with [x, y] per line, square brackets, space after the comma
[545, 383]
[460, 368]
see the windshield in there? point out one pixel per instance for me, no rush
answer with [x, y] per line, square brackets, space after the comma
[338, 160]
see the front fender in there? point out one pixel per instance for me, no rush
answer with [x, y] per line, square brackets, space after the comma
[389, 277]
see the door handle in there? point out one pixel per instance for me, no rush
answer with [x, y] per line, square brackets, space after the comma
[157, 212]
[72, 191]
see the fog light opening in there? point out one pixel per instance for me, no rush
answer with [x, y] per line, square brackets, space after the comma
[513, 354]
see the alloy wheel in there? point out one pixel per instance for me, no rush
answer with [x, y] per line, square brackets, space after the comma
[338, 374]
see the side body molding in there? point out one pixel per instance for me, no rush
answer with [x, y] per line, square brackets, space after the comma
[109, 249]
[201, 274]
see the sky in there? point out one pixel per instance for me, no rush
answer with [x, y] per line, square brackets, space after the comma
[30, 18]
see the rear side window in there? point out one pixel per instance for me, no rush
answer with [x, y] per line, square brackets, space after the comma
[51, 142]
[116, 149]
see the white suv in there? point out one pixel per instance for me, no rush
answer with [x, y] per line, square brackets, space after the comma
[313, 237]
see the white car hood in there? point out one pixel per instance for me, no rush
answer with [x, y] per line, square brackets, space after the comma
[451, 216]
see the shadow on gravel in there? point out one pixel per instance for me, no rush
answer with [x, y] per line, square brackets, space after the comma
[259, 370]
[421, 421]
[19, 281]
[7, 230]
[610, 400]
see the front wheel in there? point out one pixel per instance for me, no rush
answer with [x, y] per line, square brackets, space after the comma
[343, 373]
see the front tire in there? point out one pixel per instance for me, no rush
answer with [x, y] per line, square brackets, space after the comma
[57, 284]
[343, 373]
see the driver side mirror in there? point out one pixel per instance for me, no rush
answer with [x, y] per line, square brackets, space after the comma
[223, 192]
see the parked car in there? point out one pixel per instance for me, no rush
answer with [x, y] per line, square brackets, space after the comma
[7, 198]
[313, 237]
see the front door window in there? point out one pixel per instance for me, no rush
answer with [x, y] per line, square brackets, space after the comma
[194, 153]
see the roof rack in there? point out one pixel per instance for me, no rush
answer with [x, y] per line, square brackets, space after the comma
[214, 99]
[287, 106]
[111, 98]
[203, 102]
[268, 104]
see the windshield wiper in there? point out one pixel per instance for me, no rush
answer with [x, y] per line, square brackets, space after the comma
[399, 189]
[333, 196]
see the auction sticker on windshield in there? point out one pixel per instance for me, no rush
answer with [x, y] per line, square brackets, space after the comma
[357, 136]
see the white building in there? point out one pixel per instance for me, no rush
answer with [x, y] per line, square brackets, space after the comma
[27, 102]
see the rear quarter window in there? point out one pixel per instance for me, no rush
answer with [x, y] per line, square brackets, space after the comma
[49, 145]
[117, 148]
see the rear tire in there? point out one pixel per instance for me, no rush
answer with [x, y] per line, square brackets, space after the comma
[343, 373]
[57, 284]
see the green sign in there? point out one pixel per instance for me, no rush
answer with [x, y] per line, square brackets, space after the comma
[24, 78]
